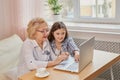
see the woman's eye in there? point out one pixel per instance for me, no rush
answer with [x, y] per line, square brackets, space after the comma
[42, 31]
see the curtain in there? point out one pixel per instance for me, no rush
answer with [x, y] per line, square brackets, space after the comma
[15, 15]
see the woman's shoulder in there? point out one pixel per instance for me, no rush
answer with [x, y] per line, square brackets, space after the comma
[47, 42]
[28, 42]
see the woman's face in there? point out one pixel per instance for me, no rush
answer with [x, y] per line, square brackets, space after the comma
[59, 35]
[42, 32]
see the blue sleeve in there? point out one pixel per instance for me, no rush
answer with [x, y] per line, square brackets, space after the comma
[72, 45]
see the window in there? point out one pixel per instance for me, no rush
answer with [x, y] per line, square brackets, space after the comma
[97, 8]
[100, 11]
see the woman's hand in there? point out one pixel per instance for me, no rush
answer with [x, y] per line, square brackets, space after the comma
[76, 56]
[63, 56]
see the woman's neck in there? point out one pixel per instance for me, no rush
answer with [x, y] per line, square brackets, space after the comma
[40, 43]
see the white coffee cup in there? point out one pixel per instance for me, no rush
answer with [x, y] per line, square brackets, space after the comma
[41, 70]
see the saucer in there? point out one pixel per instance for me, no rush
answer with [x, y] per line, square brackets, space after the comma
[42, 75]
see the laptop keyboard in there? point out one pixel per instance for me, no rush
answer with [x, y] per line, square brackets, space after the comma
[73, 66]
[68, 65]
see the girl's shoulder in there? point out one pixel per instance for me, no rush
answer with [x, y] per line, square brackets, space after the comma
[68, 39]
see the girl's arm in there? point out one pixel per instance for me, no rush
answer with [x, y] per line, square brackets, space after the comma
[75, 50]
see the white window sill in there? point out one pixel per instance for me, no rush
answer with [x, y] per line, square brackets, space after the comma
[92, 28]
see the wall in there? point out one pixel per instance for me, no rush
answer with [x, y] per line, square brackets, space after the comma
[98, 36]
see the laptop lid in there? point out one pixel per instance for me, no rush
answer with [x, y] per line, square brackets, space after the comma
[86, 53]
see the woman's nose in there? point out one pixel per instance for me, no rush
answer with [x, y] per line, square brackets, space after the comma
[46, 33]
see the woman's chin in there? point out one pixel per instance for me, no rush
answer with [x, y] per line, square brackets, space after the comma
[44, 39]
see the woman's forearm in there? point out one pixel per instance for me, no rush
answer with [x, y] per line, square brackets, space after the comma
[52, 63]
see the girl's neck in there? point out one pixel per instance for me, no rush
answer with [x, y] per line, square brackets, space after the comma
[58, 45]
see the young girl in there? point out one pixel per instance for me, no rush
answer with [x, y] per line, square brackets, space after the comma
[61, 43]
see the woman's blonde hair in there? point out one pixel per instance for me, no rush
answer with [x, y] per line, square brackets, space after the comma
[33, 25]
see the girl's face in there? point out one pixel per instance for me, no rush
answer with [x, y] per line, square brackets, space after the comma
[59, 35]
[42, 33]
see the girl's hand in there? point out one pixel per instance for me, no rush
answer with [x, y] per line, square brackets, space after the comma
[77, 56]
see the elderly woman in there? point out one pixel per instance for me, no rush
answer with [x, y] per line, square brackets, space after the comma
[36, 51]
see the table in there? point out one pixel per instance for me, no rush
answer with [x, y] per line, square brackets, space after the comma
[101, 61]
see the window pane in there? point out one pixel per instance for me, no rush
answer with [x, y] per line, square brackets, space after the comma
[67, 8]
[87, 8]
[97, 8]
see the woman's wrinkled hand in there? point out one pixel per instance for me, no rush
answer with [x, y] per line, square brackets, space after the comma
[63, 56]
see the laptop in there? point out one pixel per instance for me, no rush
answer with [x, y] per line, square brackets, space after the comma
[86, 57]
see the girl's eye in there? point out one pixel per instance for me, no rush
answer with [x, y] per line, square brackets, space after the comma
[57, 33]
[63, 33]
